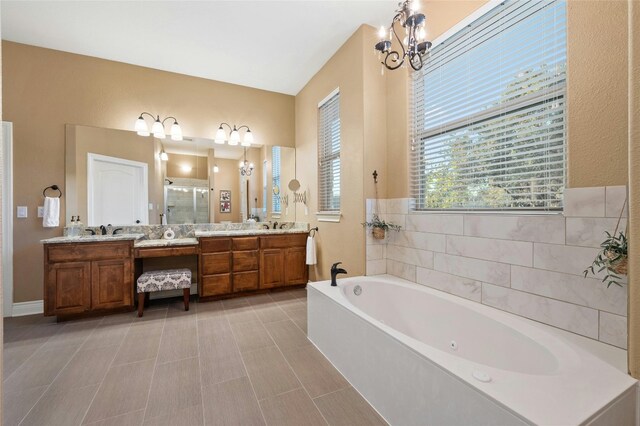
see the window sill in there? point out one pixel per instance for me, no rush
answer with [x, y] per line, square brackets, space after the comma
[328, 216]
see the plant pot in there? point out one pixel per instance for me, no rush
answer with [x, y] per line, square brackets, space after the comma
[619, 265]
[378, 233]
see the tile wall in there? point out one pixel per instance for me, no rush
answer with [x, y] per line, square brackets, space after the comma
[529, 265]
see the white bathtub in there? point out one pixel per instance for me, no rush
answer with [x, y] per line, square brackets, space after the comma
[424, 357]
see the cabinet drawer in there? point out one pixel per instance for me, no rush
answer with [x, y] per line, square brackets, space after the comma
[165, 251]
[245, 281]
[245, 243]
[216, 263]
[283, 241]
[78, 252]
[245, 260]
[214, 285]
[213, 245]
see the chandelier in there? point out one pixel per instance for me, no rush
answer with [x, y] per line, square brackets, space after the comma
[158, 127]
[413, 47]
[234, 136]
[246, 168]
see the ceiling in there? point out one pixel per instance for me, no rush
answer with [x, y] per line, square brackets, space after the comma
[271, 45]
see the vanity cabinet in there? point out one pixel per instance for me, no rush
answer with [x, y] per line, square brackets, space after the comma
[284, 260]
[86, 277]
[240, 264]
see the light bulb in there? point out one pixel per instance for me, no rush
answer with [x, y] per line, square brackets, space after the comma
[221, 136]
[158, 130]
[164, 156]
[248, 138]
[241, 164]
[234, 138]
[422, 34]
[382, 33]
[216, 169]
[414, 6]
[251, 166]
[176, 132]
[186, 168]
[141, 127]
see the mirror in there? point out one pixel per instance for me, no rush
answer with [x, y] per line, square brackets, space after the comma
[118, 177]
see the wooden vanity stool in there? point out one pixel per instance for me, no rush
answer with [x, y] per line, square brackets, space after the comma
[170, 279]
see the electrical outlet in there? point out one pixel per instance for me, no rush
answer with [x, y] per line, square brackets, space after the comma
[40, 211]
[22, 211]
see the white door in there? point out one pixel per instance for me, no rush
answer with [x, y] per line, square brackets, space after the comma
[117, 191]
[7, 217]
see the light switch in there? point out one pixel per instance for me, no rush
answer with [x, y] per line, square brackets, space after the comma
[40, 211]
[150, 206]
[22, 211]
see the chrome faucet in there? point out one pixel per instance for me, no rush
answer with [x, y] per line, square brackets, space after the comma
[334, 272]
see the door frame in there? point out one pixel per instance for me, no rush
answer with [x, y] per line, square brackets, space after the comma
[7, 218]
[144, 200]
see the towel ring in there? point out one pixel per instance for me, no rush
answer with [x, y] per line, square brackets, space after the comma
[53, 187]
[314, 230]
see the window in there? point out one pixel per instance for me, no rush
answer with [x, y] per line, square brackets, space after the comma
[275, 176]
[329, 154]
[488, 113]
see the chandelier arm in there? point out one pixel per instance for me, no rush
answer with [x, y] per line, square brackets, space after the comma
[174, 119]
[230, 129]
[416, 67]
[149, 114]
[393, 28]
[395, 58]
[244, 125]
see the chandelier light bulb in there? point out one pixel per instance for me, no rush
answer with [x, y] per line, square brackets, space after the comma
[158, 129]
[216, 169]
[164, 156]
[382, 33]
[248, 138]
[422, 34]
[234, 138]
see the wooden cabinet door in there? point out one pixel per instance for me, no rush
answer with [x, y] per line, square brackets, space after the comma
[213, 285]
[111, 284]
[68, 289]
[296, 271]
[271, 268]
[216, 263]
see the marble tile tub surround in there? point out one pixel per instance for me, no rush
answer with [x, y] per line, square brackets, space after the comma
[529, 265]
[155, 232]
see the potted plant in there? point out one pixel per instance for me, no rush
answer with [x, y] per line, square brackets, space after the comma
[612, 257]
[379, 227]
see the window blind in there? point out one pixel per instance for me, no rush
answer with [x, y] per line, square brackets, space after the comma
[275, 177]
[329, 155]
[489, 113]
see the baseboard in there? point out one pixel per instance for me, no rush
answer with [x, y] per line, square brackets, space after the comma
[32, 307]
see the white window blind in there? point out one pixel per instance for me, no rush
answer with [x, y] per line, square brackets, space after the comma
[329, 155]
[275, 177]
[488, 113]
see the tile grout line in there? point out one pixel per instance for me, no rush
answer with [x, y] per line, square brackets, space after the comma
[296, 375]
[204, 419]
[59, 372]
[107, 370]
[144, 415]
[244, 365]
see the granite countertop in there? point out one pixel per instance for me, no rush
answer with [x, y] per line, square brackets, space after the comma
[92, 238]
[166, 243]
[249, 232]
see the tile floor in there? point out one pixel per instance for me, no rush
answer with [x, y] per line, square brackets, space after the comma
[244, 361]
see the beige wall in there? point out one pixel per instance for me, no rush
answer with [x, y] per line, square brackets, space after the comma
[81, 140]
[45, 89]
[634, 189]
[198, 166]
[342, 241]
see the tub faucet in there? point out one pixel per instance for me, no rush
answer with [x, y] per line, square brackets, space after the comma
[334, 272]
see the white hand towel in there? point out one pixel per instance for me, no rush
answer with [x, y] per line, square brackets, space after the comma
[51, 214]
[164, 219]
[311, 251]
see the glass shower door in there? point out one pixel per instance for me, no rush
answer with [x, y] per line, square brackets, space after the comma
[186, 204]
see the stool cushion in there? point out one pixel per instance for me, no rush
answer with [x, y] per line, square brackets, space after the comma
[170, 279]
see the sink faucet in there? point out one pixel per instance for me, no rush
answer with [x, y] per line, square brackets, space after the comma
[265, 226]
[275, 225]
[103, 230]
[91, 230]
[115, 231]
[334, 272]
[282, 225]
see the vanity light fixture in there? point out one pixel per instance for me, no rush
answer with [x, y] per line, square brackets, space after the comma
[414, 46]
[216, 169]
[246, 168]
[158, 127]
[163, 156]
[234, 136]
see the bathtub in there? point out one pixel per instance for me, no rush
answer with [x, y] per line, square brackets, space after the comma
[424, 357]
